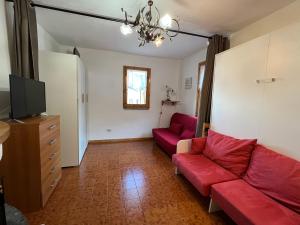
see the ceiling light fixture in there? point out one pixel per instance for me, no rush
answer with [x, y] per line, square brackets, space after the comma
[149, 26]
[158, 41]
[126, 29]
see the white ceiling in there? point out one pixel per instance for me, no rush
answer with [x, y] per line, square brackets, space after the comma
[197, 16]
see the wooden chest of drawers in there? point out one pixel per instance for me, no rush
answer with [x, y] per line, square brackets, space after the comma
[31, 163]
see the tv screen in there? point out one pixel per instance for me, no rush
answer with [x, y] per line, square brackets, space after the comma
[27, 97]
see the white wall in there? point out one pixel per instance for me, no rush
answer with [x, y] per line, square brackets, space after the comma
[46, 41]
[105, 87]
[276, 20]
[4, 50]
[190, 69]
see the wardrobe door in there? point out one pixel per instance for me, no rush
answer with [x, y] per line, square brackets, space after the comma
[281, 109]
[58, 71]
[82, 132]
[237, 98]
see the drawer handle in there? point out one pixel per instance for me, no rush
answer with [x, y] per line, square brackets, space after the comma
[53, 184]
[52, 142]
[52, 127]
[52, 170]
[52, 156]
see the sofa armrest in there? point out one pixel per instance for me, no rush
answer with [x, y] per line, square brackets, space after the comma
[184, 146]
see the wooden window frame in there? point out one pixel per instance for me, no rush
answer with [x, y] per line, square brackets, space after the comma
[198, 94]
[136, 106]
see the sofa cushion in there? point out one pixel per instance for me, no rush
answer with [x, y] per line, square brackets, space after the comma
[188, 122]
[201, 171]
[231, 153]
[198, 145]
[166, 139]
[275, 175]
[176, 128]
[248, 206]
[187, 134]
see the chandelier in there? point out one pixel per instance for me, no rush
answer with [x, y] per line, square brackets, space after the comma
[149, 26]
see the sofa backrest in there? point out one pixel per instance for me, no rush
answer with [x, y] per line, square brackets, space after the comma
[188, 122]
[275, 175]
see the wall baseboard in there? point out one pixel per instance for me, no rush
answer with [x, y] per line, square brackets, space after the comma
[124, 140]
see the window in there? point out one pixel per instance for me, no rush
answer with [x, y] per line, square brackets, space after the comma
[136, 87]
[201, 70]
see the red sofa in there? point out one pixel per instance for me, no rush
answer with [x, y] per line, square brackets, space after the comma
[252, 184]
[182, 127]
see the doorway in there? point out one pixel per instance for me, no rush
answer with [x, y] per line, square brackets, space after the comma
[201, 70]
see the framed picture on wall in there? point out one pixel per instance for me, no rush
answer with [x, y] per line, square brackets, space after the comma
[188, 82]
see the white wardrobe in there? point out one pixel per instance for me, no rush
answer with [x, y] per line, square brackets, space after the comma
[265, 109]
[66, 95]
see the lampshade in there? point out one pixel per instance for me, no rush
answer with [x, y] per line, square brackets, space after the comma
[166, 22]
[125, 29]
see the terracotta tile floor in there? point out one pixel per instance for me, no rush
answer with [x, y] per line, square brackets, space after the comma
[125, 184]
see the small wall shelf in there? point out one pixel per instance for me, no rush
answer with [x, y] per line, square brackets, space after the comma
[169, 102]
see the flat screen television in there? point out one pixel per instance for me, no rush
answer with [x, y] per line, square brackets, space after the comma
[27, 97]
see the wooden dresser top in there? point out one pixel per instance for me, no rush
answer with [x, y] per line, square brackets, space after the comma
[34, 120]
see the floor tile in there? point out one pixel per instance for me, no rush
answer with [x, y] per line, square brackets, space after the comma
[125, 184]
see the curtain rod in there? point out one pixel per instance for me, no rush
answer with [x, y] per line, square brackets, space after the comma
[44, 6]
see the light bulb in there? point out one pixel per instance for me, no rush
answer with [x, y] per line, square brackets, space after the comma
[158, 42]
[166, 21]
[126, 29]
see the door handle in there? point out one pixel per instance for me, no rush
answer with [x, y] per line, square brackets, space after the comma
[268, 80]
